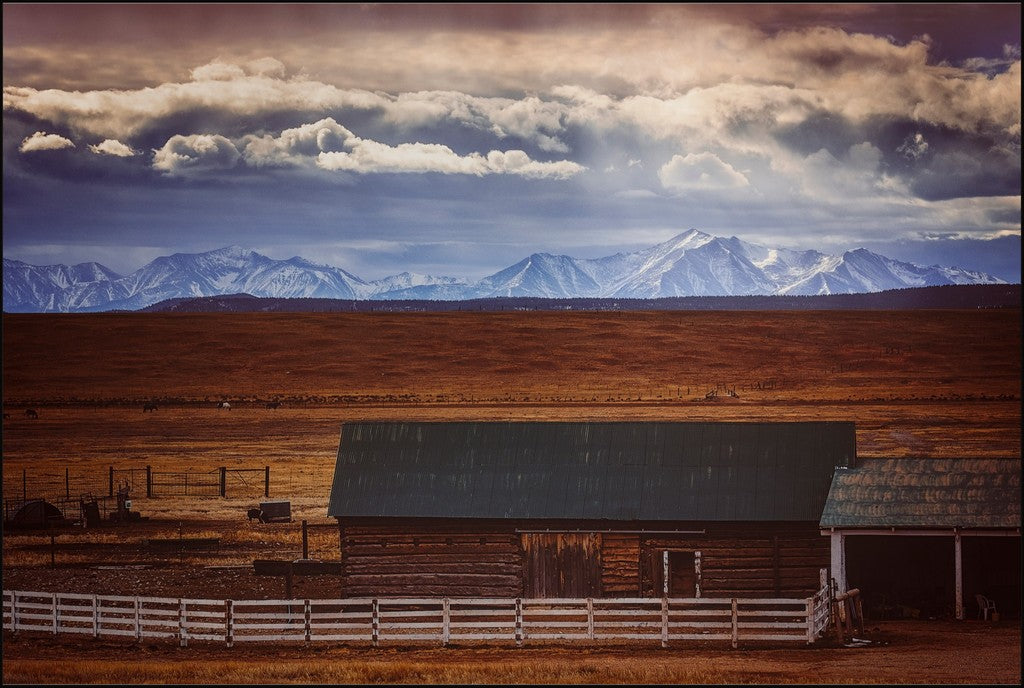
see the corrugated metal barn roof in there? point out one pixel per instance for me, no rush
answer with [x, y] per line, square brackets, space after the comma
[583, 470]
[966, 493]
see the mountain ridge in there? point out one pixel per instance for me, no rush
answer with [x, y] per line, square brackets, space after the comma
[690, 264]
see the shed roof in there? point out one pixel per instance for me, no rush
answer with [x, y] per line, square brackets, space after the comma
[926, 493]
[589, 470]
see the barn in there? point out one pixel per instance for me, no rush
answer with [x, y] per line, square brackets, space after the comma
[926, 537]
[585, 509]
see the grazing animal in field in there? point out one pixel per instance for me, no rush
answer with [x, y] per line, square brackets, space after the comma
[149, 407]
[273, 404]
[224, 405]
[255, 513]
[31, 413]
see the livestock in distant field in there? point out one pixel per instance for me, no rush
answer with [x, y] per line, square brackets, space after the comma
[273, 404]
[224, 405]
[149, 407]
[255, 513]
[31, 413]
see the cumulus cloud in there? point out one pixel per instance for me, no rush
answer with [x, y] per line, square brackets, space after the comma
[700, 171]
[41, 141]
[217, 71]
[112, 147]
[366, 157]
[195, 153]
[330, 146]
[296, 147]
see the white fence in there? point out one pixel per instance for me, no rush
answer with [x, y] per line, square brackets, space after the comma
[407, 620]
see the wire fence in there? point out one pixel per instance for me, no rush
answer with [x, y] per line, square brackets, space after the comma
[67, 490]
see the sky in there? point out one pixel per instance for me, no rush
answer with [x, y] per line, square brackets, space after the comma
[458, 139]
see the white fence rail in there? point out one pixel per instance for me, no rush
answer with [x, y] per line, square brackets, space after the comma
[437, 620]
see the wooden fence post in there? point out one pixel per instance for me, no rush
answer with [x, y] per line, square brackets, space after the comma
[182, 631]
[110, 492]
[860, 615]
[56, 617]
[229, 623]
[138, 619]
[305, 541]
[308, 617]
[735, 624]
[95, 617]
[223, 481]
[149, 481]
[590, 618]
[266, 482]
[519, 621]
[446, 620]
[664, 622]
[67, 484]
[14, 611]
[809, 610]
[375, 622]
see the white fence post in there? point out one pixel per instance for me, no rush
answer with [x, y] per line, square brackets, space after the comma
[664, 622]
[182, 631]
[735, 624]
[375, 623]
[229, 623]
[810, 620]
[446, 619]
[590, 618]
[519, 621]
[138, 619]
[307, 614]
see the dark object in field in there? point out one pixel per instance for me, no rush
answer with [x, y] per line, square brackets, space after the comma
[90, 511]
[273, 404]
[37, 513]
[255, 513]
[31, 413]
[149, 407]
[276, 512]
[224, 405]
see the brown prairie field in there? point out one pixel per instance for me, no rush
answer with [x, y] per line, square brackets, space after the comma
[922, 383]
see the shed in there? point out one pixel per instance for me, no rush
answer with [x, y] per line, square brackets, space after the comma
[37, 513]
[585, 509]
[926, 535]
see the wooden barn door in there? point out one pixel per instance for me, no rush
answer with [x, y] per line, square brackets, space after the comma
[562, 565]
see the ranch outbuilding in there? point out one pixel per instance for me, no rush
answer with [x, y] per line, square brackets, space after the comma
[585, 509]
[928, 537]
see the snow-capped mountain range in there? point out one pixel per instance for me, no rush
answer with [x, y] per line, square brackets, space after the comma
[690, 264]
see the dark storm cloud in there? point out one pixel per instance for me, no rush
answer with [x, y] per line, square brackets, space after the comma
[937, 162]
[543, 126]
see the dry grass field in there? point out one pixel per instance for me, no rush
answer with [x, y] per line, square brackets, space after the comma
[917, 383]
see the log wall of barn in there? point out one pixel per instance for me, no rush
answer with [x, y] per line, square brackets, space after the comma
[415, 559]
[485, 558]
[744, 560]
